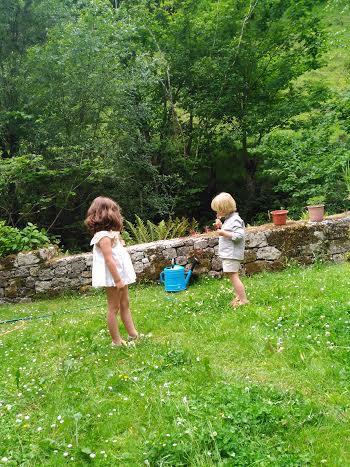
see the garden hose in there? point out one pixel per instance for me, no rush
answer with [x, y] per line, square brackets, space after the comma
[31, 318]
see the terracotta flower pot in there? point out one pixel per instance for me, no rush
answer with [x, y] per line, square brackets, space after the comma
[316, 213]
[279, 217]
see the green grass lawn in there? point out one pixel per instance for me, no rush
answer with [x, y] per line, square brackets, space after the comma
[267, 384]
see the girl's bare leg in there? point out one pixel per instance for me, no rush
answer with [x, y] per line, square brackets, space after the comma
[113, 301]
[125, 313]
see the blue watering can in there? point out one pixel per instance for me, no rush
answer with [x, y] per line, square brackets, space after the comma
[175, 278]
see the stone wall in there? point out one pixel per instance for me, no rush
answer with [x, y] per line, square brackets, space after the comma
[43, 272]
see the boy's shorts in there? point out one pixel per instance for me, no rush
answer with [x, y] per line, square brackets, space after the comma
[230, 265]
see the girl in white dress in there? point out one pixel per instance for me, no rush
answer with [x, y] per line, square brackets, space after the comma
[111, 265]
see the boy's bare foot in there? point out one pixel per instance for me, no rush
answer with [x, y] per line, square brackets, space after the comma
[235, 301]
[238, 303]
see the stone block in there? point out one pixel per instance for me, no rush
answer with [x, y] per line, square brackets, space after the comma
[184, 250]
[86, 273]
[22, 271]
[339, 258]
[27, 259]
[312, 249]
[291, 239]
[60, 271]
[213, 241]
[2, 292]
[76, 266]
[30, 282]
[145, 260]
[319, 235]
[42, 286]
[339, 246]
[216, 264]
[249, 256]
[255, 239]
[34, 271]
[8, 262]
[137, 256]
[139, 267]
[336, 229]
[259, 266]
[11, 291]
[46, 274]
[26, 292]
[268, 253]
[4, 276]
[200, 244]
[47, 253]
[169, 253]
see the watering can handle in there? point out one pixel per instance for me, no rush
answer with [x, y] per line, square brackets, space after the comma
[161, 277]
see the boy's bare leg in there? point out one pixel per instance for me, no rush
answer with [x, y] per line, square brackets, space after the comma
[241, 297]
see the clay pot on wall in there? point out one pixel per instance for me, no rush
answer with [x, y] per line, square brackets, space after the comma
[315, 207]
[279, 217]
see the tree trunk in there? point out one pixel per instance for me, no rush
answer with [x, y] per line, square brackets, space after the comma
[188, 143]
[250, 165]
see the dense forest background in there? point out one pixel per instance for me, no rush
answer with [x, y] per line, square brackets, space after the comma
[161, 104]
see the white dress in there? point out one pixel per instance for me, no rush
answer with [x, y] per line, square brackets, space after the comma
[101, 276]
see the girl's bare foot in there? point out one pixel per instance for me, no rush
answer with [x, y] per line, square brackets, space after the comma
[235, 302]
[134, 338]
[119, 343]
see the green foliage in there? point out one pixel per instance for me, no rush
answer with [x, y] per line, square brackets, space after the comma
[144, 232]
[316, 200]
[161, 105]
[301, 168]
[13, 240]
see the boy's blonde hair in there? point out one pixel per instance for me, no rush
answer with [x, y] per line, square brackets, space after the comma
[224, 203]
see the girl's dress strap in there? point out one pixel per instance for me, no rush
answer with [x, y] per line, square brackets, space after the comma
[104, 233]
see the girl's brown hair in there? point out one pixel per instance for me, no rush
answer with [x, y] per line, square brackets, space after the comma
[103, 214]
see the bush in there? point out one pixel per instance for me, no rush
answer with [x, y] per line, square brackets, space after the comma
[307, 163]
[14, 240]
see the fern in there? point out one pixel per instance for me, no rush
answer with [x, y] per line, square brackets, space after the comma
[152, 231]
[144, 232]
[162, 230]
[347, 177]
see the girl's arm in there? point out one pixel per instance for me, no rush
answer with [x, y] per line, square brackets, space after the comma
[106, 247]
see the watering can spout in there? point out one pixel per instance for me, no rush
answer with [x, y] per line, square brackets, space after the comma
[189, 273]
[188, 277]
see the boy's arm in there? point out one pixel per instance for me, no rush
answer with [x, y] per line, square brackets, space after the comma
[235, 232]
[106, 247]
